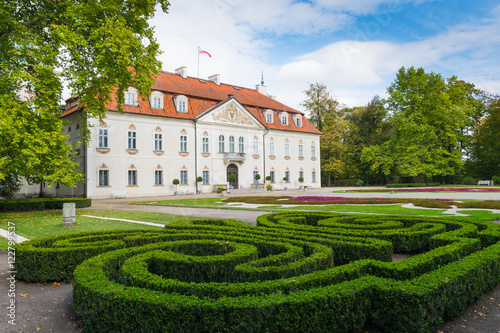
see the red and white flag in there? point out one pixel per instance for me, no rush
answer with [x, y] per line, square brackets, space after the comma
[201, 52]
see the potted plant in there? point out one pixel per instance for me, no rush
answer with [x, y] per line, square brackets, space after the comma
[268, 178]
[222, 190]
[176, 182]
[232, 178]
[301, 179]
[199, 180]
[285, 180]
[269, 187]
[257, 178]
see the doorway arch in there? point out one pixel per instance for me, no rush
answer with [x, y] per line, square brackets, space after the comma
[232, 169]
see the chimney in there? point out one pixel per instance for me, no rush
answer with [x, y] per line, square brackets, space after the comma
[215, 79]
[261, 88]
[182, 71]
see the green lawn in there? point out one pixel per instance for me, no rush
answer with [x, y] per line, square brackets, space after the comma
[48, 223]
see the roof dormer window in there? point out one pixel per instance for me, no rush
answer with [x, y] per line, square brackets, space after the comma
[156, 100]
[268, 116]
[284, 118]
[181, 103]
[297, 119]
[131, 97]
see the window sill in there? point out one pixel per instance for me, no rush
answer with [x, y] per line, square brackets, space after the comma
[102, 186]
[205, 154]
[132, 151]
[287, 158]
[256, 156]
[183, 154]
[102, 150]
[161, 185]
[132, 185]
[158, 152]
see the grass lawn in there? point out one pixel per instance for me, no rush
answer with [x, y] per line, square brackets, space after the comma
[48, 223]
[202, 202]
[4, 243]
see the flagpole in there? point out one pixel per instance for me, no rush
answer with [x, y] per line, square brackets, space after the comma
[198, 61]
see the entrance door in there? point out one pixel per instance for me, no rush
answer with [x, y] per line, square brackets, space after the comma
[232, 169]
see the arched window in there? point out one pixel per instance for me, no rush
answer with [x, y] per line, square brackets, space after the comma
[222, 147]
[231, 144]
[241, 145]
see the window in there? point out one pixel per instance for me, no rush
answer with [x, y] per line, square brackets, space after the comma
[287, 175]
[241, 145]
[158, 177]
[132, 140]
[183, 146]
[255, 173]
[156, 100]
[231, 144]
[287, 150]
[313, 175]
[271, 149]
[206, 178]
[268, 116]
[102, 141]
[158, 141]
[77, 134]
[204, 146]
[301, 174]
[271, 173]
[184, 177]
[103, 177]
[284, 118]
[297, 119]
[131, 98]
[222, 141]
[181, 103]
[132, 178]
[255, 147]
[301, 150]
[313, 151]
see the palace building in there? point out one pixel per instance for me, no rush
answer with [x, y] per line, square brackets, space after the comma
[190, 128]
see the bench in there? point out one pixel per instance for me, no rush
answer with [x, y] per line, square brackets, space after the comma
[485, 182]
[119, 194]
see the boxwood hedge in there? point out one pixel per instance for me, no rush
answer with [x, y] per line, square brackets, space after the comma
[24, 205]
[294, 272]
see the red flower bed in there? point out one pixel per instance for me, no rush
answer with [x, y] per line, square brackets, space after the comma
[451, 190]
[318, 198]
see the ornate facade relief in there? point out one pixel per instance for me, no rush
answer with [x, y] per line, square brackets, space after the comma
[231, 114]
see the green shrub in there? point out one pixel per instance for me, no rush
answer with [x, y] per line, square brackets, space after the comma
[24, 205]
[293, 272]
[469, 181]
[412, 185]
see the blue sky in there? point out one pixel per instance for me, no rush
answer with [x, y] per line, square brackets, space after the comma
[354, 47]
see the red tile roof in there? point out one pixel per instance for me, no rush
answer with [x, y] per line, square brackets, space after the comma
[204, 94]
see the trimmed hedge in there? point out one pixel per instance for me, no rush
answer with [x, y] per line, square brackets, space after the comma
[24, 205]
[294, 272]
[413, 185]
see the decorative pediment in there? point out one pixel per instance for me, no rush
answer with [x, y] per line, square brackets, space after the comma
[231, 113]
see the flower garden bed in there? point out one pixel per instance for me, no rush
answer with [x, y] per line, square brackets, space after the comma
[294, 272]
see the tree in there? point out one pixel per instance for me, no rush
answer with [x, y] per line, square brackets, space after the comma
[98, 48]
[368, 126]
[327, 114]
[484, 156]
[426, 114]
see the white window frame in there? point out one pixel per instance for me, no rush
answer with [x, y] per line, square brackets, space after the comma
[231, 144]
[287, 149]
[222, 144]
[156, 100]
[255, 147]
[131, 139]
[132, 177]
[272, 151]
[273, 178]
[301, 175]
[241, 145]
[158, 177]
[183, 177]
[284, 118]
[102, 138]
[103, 178]
[301, 150]
[313, 151]
[181, 104]
[287, 175]
[206, 177]
[183, 143]
[131, 97]
[158, 141]
[254, 174]
[313, 176]
[205, 145]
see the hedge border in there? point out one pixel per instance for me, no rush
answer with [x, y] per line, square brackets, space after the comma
[25, 205]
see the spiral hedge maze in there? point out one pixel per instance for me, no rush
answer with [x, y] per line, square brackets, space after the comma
[294, 272]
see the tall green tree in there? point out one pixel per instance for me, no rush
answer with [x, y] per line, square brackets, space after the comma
[368, 126]
[484, 149]
[426, 114]
[327, 115]
[96, 47]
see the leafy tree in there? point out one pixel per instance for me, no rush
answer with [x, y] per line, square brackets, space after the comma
[96, 47]
[327, 114]
[484, 158]
[426, 114]
[368, 126]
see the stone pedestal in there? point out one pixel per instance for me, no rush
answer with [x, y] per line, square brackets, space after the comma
[69, 213]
